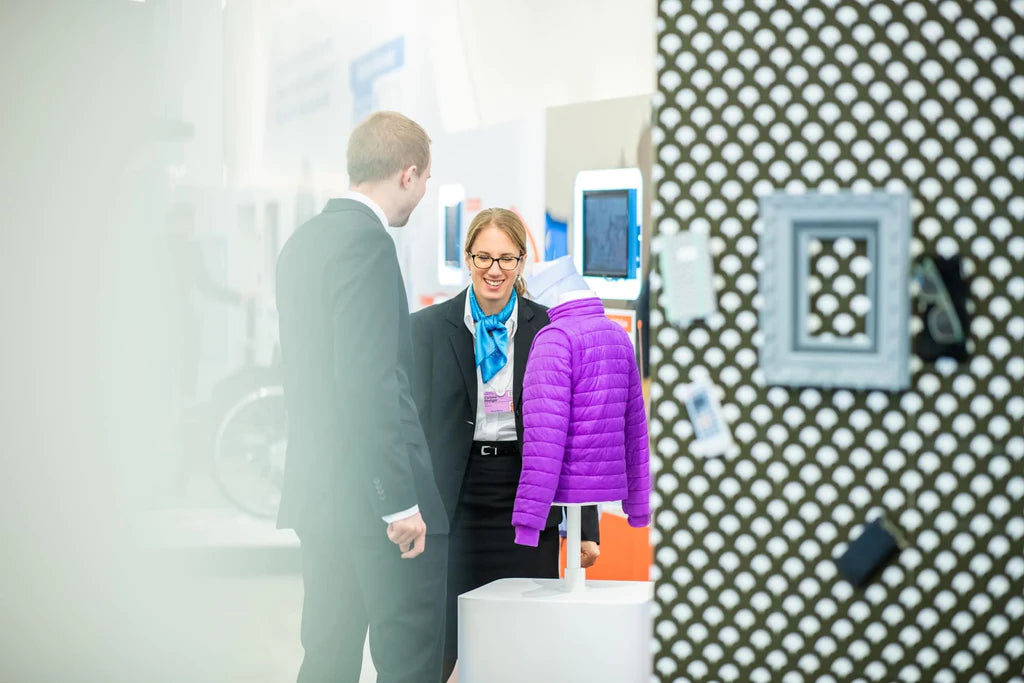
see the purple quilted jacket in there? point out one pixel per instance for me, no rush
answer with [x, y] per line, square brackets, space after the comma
[584, 425]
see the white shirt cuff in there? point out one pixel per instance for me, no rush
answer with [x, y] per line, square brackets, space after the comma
[395, 516]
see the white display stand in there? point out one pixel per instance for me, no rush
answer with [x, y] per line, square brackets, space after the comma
[519, 630]
[565, 630]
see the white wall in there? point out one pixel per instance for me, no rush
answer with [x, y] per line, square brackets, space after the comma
[497, 60]
[477, 76]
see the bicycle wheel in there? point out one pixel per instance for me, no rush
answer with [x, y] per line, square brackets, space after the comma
[249, 451]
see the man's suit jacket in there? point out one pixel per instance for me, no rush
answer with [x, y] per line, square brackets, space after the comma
[356, 450]
[445, 390]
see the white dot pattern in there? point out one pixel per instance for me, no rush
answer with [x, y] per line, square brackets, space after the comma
[829, 95]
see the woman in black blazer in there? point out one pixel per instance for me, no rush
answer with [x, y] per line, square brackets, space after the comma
[470, 357]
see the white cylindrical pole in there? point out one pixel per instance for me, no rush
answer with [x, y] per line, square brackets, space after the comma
[575, 575]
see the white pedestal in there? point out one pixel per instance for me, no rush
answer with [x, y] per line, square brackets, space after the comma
[527, 630]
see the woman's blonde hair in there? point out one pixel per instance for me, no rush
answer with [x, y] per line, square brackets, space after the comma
[509, 223]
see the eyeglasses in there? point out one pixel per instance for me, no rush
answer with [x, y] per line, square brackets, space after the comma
[943, 321]
[483, 262]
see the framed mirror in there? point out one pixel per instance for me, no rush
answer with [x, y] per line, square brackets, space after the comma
[834, 285]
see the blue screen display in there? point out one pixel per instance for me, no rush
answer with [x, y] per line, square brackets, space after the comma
[452, 248]
[610, 240]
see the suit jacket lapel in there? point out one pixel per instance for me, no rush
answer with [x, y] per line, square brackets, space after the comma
[528, 324]
[524, 337]
[462, 345]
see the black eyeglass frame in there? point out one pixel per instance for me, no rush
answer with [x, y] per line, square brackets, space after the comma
[490, 259]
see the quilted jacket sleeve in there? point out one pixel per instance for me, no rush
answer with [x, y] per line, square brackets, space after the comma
[637, 505]
[547, 392]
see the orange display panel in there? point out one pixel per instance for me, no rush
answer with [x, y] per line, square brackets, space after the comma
[626, 553]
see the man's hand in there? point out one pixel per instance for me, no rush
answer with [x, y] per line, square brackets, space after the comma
[589, 552]
[410, 535]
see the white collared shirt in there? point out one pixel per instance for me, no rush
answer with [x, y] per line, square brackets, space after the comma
[363, 199]
[495, 426]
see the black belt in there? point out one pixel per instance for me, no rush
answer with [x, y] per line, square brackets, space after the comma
[495, 448]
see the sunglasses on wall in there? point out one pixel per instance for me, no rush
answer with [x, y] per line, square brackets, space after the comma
[933, 298]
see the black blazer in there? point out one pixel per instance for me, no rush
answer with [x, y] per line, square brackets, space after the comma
[445, 389]
[356, 450]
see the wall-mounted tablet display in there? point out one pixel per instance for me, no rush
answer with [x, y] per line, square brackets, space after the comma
[450, 234]
[606, 243]
[607, 210]
[452, 223]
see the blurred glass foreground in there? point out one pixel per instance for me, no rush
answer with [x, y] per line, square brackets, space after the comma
[86, 368]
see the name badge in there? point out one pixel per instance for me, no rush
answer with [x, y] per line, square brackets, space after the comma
[497, 403]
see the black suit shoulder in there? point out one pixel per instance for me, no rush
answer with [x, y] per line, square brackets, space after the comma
[535, 305]
[331, 234]
[440, 310]
[425, 316]
[538, 309]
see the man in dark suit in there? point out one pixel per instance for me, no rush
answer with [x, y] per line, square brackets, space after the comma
[358, 478]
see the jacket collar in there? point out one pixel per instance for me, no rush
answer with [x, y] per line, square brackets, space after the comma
[457, 309]
[349, 204]
[576, 308]
[374, 206]
[512, 324]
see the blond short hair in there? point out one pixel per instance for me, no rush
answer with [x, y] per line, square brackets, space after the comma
[510, 224]
[385, 143]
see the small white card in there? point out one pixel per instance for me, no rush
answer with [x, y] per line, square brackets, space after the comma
[710, 431]
[687, 293]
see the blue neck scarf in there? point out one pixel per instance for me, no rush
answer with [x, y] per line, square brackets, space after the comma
[491, 336]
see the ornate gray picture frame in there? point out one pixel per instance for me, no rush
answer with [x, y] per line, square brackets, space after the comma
[874, 353]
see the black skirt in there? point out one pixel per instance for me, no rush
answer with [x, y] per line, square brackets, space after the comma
[481, 546]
